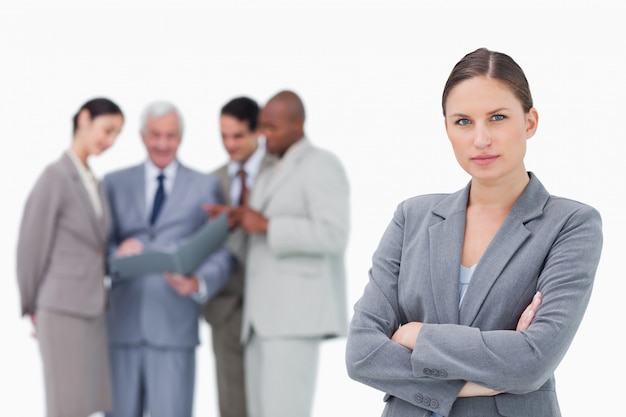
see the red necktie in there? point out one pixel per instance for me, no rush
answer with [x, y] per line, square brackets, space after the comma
[243, 197]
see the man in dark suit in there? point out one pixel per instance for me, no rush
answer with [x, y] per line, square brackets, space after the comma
[153, 319]
[238, 125]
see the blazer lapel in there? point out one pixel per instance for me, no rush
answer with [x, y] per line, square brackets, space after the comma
[282, 170]
[225, 182]
[177, 193]
[83, 197]
[137, 189]
[446, 243]
[267, 162]
[511, 235]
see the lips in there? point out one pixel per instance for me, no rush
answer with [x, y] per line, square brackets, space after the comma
[484, 159]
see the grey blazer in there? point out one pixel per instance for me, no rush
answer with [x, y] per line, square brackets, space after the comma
[295, 276]
[62, 246]
[230, 299]
[546, 243]
[147, 309]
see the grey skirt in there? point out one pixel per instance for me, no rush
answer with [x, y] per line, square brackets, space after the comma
[74, 353]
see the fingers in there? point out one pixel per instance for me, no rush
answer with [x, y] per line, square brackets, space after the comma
[407, 334]
[129, 247]
[174, 280]
[529, 313]
[182, 285]
[214, 210]
[33, 320]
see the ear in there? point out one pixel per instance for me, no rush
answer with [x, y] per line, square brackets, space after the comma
[532, 120]
[300, 124]
[84, 118]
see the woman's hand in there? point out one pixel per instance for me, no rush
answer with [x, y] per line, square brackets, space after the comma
[407, 334]
[529, 313]
[130, 246]
[33, 320]
[471, 389]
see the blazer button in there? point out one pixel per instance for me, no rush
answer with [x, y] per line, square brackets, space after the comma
[428, 371]
[427, 402]
[436, 373]
[419, 398]
[434, 403]
[443, 373]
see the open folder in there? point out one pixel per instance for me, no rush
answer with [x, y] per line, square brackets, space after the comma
[185, 259]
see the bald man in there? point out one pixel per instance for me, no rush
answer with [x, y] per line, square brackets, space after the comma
[295, 290]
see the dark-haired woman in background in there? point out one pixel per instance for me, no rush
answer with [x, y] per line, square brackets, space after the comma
[474, 297]
[61, 268]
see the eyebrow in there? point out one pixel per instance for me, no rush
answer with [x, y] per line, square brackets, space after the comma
[455, 115]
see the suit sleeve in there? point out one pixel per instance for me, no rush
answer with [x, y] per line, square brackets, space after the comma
[36, 236]
[371, 356]
[216, 270]
[113, 239]
[324, 227]
[520, 362]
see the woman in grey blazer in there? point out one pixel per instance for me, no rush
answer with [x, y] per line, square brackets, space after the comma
[474, 297]
[61, 268]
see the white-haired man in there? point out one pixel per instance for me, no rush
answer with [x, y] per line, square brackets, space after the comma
[153, 320]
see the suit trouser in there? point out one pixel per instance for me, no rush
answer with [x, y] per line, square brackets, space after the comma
[229, 366]
[281, 375]
[157, 380]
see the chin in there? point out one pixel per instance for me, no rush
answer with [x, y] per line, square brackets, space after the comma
[162, 162]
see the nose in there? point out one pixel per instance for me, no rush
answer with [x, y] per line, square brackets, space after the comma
[229, 143]
[160, 142]
[482, 137]
[111, 139]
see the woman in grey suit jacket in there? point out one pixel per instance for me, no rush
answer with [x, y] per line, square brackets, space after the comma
[474, 297]
[61, 268]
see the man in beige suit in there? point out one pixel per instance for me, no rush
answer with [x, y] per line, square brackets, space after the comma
[238, 125]
[295, 295]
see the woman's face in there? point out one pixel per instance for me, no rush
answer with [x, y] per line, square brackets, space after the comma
[488, 128]
[98, 134]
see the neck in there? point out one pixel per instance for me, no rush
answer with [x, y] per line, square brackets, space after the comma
[498, 194]
[80, 152]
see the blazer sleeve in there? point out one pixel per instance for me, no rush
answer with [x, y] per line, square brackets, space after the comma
[113, 239]
[324, 227]
[521, 362]
[218, 267]
[371, 356]
[36, 236]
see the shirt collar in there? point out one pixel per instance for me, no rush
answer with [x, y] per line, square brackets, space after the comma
[152, 171]
[83, 171]
[252, 164]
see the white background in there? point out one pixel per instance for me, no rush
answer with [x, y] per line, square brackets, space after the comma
[371, 75]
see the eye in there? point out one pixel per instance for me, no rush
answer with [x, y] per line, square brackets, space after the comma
[498, 117]
[463, 122]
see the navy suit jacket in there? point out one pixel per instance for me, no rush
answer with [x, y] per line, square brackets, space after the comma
[147, 309]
